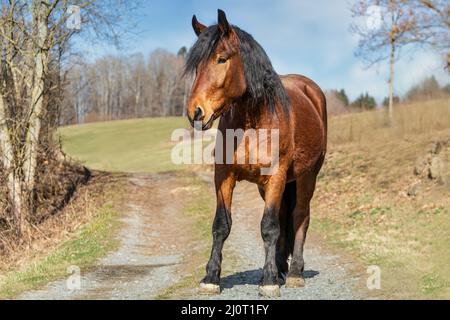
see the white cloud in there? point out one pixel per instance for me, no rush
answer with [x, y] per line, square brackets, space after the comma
[413, 68]
[409, 70]
[362, 80]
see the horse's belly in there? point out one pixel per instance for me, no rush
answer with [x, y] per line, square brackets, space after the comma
[309, 147]
[251, 173]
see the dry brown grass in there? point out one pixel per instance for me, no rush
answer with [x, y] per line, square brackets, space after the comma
[424, 119]
[48, 235]
[362, 206]
[57, 179]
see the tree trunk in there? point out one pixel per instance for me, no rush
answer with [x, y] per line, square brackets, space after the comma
[10, 96]
[14, 185]
[41, 57]
[391, 80]
[137, 100]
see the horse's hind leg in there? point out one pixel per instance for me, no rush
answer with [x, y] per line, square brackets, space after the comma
[285, 245]
[282, 255]
[301, 217]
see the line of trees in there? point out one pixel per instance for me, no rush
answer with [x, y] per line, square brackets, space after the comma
[134, 86]
[426, 89]
[338, 102]
[121, 87]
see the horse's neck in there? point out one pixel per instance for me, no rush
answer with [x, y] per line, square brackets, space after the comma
[243, 115]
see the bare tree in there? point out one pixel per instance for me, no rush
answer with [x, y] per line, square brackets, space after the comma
[34, 37]
[393, 27]
[433, 25]
[136, 71]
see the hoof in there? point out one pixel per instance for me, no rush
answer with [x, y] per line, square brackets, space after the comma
[209, 288]
[282, 279]
[270, 291]
[295, 282]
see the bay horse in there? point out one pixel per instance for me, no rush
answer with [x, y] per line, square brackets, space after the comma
[235, 81]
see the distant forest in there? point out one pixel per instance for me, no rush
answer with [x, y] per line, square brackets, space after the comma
[125, 87]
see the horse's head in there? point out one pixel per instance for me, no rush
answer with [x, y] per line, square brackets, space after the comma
[220, 77]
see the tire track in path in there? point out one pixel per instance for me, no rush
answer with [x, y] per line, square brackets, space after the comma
[148, 259]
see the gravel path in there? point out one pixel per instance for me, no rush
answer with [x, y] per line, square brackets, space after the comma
[149, 260]
[139, 269]
[326, 277]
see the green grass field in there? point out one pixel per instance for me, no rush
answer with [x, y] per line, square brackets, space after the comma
[124, 146]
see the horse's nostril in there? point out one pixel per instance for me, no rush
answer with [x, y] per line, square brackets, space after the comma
[198, 116]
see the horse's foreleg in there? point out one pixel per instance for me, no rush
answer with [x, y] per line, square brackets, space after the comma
[221, 229]
[270, 231]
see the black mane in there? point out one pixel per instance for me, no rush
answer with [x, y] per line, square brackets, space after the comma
[263, 83]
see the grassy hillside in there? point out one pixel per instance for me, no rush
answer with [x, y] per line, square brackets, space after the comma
[368, 202]
[131, 146]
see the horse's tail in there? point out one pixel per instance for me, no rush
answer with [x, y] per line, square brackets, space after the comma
[290, 201]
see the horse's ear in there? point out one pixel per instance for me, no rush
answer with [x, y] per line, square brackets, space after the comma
[223, 23]
[198, 27]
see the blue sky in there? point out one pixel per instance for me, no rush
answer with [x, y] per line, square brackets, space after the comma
[300, 36]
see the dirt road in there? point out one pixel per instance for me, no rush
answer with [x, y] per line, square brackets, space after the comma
[157, 250]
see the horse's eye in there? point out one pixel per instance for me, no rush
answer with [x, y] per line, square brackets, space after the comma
[221, 60]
